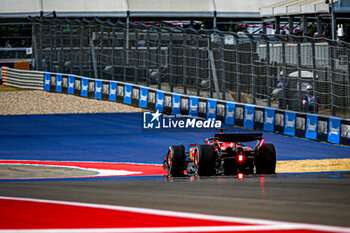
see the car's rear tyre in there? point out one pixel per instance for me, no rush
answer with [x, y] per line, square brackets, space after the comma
[176, 160]
[265, 162]
[205, 160]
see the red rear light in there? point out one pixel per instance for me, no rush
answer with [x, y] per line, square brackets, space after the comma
[240, 158]
[261, 142]
[240, 176]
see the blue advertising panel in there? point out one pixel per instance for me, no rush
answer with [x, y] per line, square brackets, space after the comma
[176, 104]
[289, 123]
[269, 120]
[143, 99]
[159, 101]
[98, 89]
[112, 95]
[211, 109]
[58, 82]
[193, 106]
[71, 80]
[127, 93]
[230, 113]
[311, 126]
[249, 112]
[334, 130]
[47, 81]
[84, 87]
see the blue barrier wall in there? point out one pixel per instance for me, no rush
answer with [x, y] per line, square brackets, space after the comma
[118, 137]
[304, 125]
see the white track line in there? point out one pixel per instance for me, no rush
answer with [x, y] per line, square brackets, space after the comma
[266, 224]
[100, 172]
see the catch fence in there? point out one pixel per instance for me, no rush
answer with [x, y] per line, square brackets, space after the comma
[230, 66]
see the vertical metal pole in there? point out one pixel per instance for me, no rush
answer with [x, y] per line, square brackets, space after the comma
[71, 54]
[114, 41]
[136, 56]
[93, 57]
[51, 49]
[149, 54]
[253, 69]
[125, 53]
[332, 79]
[171, 62]
[61, 55]
[264, 27]
[290, 24]
[334, 22]
[285, 84]
[159, 60]
[299, 74]
[319, 25]
[304, 23]
[269, 73]
[40, 43]
[185, 63]
[54, 45]
[314, 76]
[223, 74]
[348, 58]
[81, 69]
[197, 65]
[35, 46]
[277, 25]
[238, 71]
[210, 69]
[101, 51]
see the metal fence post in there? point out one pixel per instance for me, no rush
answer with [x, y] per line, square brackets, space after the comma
[51, 49]
[285, 85]
[223, 72]
[113, 52]
[171, 81]
[100, 57]
[332, 78]
[299, 73]
[136, 56]
[35, 46]
[197, 64]
[148, 57]
[125, 51]
[40, 47]
[269, 73]
[209, 70]
[238, 69]
[314, 75]
[81, 69]
[159, 59]
[253, 49]
[348, 60]
[71, 53]
[185, 62]
[61, 55]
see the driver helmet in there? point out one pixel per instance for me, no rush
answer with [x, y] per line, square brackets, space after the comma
[281, 73]
[309, 87]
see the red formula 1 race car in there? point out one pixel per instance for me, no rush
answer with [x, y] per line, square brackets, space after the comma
[223, 154]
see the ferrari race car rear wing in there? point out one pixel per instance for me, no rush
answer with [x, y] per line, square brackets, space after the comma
[238, 137]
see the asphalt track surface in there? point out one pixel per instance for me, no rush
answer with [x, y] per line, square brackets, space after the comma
[317, 199]
[320, 198]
